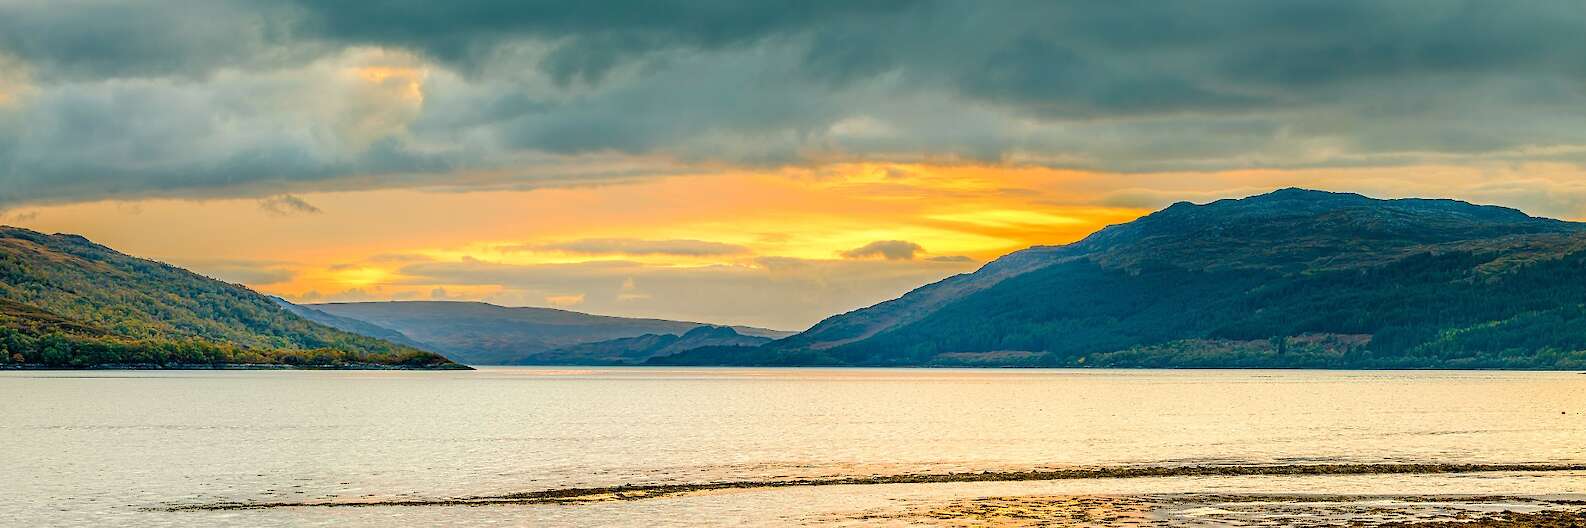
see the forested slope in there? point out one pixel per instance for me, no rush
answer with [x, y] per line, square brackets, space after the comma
[67, 302]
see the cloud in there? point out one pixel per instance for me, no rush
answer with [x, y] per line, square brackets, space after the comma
[26, 216]
[951, 258]
[888, 249]
[563, 301]
[243, 271]
[239, 133]
[1141, 198]
[287, 204]
[396, 258]
[372, 293]
[637, 247]
[630, 291]
[241, 98]
[1565, 198]
[157, 38]
[583, 42]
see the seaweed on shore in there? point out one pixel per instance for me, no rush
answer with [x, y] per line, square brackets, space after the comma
[648, 491]
[1199, 510]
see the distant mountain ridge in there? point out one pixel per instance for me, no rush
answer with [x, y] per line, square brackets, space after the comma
[638, 350]
[1292, 278]
[68, 302]
[485, 334]
[348, 324]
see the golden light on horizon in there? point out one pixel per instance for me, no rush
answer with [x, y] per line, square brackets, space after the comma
[605, 247]
[1008, 218]
[361, 276]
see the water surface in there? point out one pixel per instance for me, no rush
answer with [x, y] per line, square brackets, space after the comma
[111, 448]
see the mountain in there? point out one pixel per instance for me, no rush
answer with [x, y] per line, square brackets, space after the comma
[68, 302]
[486, 334]
[1293, 278]
[348, 324]
[636, 350]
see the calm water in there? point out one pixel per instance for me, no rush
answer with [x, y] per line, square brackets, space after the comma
[102, 448]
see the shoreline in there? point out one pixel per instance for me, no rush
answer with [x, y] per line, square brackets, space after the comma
[1020, 367]
[231, 366]
[630, 492]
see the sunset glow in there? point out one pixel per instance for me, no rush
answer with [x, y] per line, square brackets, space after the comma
[626, 248]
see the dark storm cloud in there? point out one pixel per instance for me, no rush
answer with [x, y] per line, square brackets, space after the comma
[588, 38]
[99, 39]
[166, 97]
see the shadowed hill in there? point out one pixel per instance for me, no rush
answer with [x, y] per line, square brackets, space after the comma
[636, 350]
[1293, 278]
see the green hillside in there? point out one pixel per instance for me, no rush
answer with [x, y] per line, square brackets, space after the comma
[1293, 278]
[67, 302]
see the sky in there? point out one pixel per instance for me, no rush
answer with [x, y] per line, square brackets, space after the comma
[767, 163]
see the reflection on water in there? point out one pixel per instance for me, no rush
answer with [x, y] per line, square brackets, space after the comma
[101, 447]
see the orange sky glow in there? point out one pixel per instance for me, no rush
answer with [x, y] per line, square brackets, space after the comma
[776, 234]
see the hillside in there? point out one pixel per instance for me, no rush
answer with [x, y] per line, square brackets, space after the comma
[636, 350]
[485, 334]
[68, 302]
[1293, 278]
